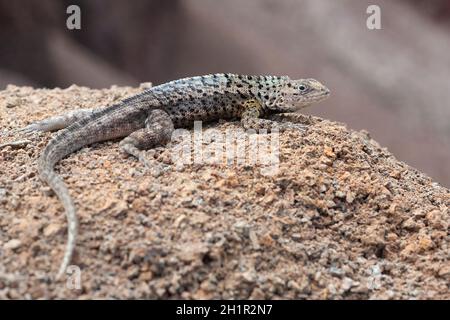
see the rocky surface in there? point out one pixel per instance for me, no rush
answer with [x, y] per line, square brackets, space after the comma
[341, 219]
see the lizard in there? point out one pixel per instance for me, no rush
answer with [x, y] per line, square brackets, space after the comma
[147, 120]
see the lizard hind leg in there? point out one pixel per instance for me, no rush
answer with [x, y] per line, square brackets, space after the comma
[158, 131]
[57, 122]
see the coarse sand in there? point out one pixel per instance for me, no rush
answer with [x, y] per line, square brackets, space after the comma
[340, 219]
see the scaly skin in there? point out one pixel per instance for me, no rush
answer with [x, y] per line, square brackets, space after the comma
[149, 118]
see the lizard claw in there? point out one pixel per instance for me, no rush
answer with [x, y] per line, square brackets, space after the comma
[26, 130]
[157, 170]
[30, 129]
[293, 126]
[155, 167]
[39, 126]
[16, 144]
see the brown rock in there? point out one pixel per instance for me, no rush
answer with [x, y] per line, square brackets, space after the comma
[12, 244]
[339, 205]
[52, 229]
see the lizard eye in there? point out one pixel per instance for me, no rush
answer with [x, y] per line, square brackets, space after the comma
[302, 88]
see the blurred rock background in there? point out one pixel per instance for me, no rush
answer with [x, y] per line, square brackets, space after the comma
[393, 82]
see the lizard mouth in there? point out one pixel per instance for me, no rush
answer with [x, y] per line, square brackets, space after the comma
[318, 98]
[323, 94]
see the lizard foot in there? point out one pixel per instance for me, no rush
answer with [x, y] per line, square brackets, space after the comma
[292, 126]
[56, 122]
[155, 167]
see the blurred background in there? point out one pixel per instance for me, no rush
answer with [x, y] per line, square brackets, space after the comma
[393, 82]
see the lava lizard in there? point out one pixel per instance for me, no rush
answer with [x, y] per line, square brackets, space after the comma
[148, 119]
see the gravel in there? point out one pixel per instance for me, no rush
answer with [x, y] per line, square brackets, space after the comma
[340, 219]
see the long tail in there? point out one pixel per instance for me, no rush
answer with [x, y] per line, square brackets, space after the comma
[68, 140]
[58, 186]
[77, 135]
[58, 148]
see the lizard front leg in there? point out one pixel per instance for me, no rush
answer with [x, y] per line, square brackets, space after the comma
[158, 131]
[250, 119]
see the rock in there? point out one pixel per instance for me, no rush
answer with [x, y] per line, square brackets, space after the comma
[192, 251]
[2, 193]
[350, 197]
[347, 284]
[341, 210]
[254, 239]
[146, 276]
[132, 272]
[257, 294]
[52, 229]
[13, 244]
[296, 237]
[425, 243]
[410, 225]
[444, 271]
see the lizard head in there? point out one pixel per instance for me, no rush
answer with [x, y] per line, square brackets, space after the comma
[296, 94]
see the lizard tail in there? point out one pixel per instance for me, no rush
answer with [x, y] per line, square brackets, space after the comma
[59, 147]
[68, 140]
[77, 135]
[57, 184]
